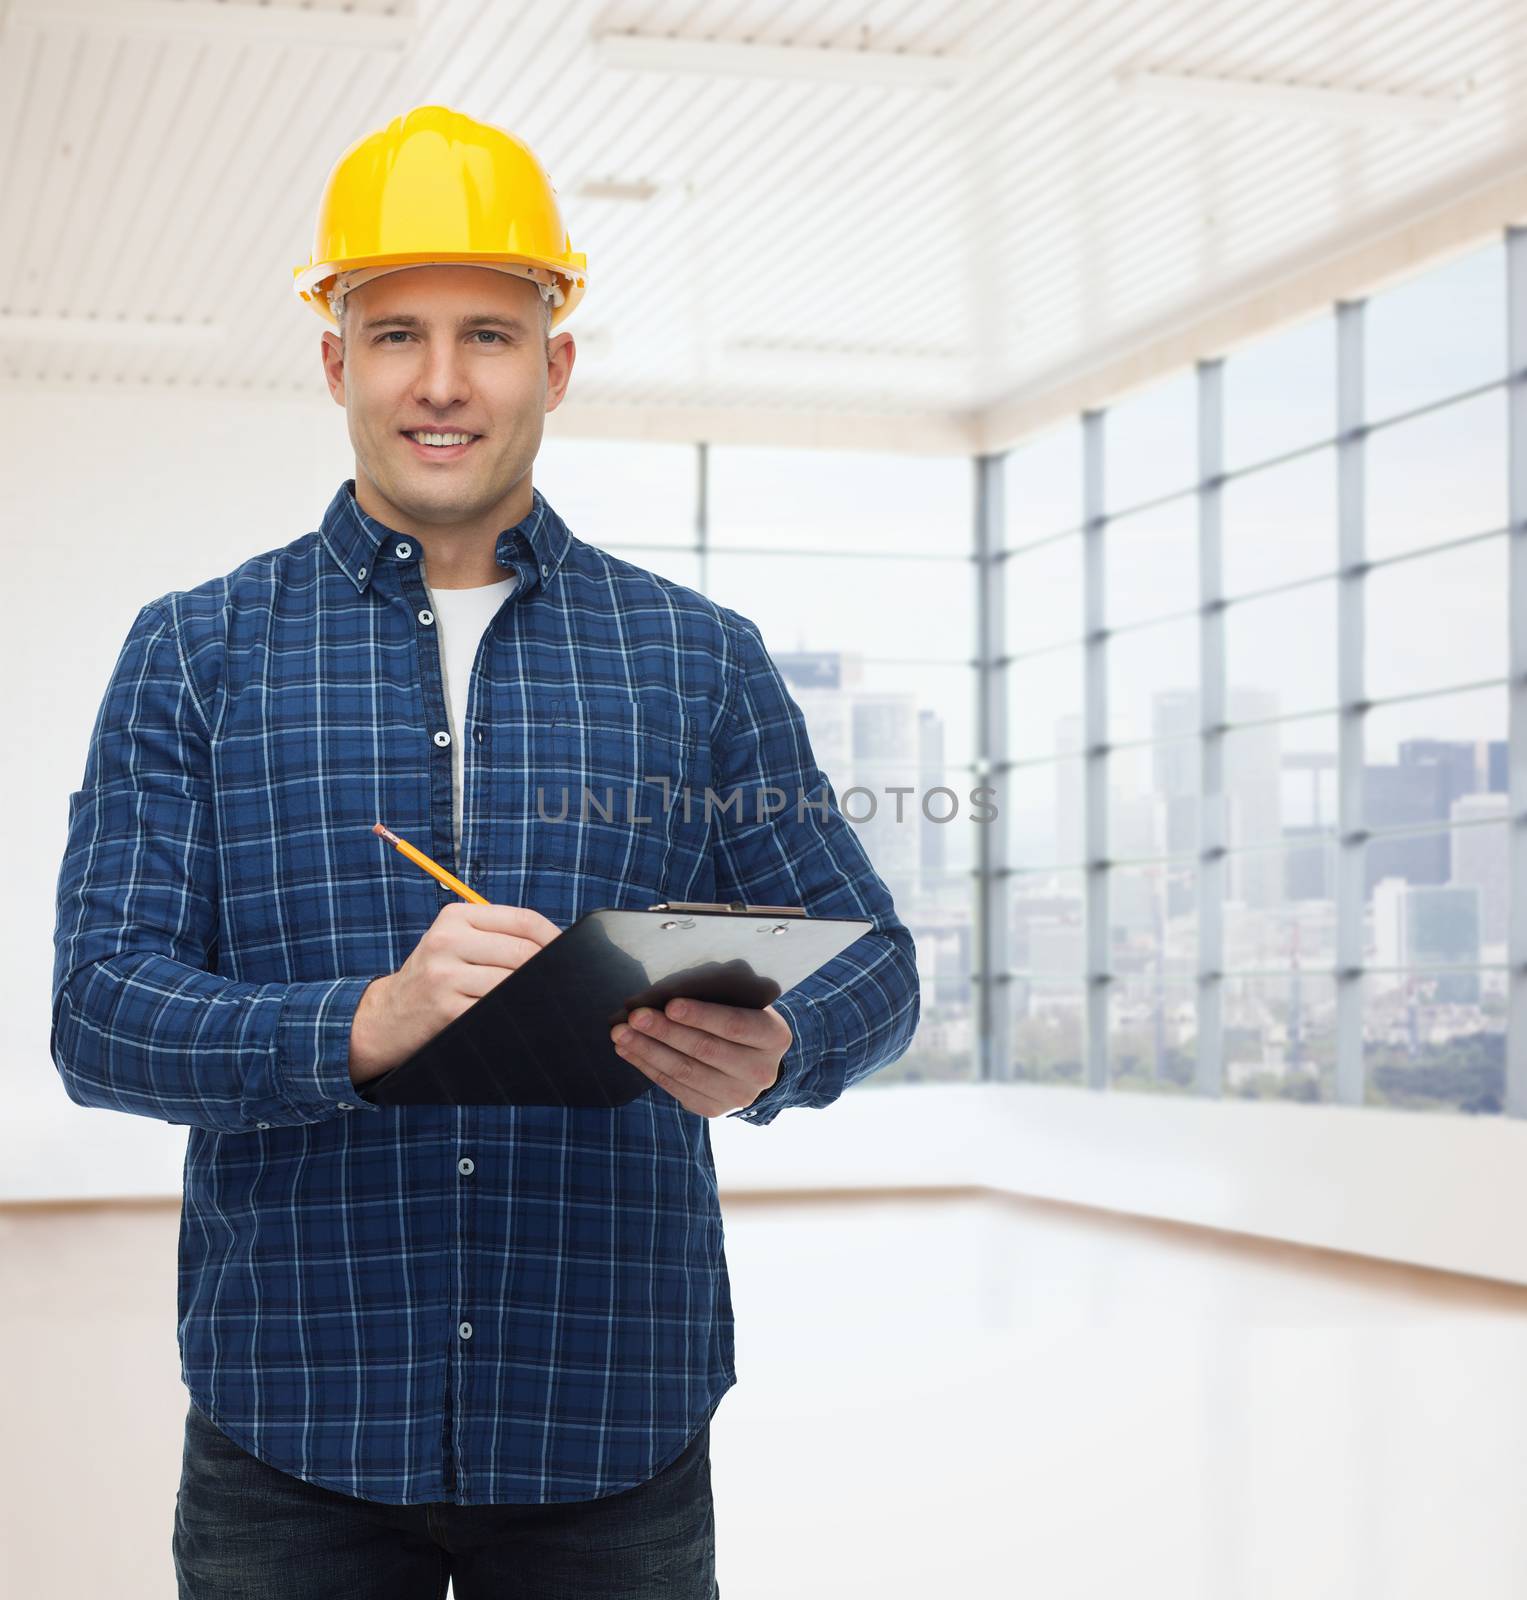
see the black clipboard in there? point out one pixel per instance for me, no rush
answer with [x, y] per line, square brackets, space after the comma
[541, 1037]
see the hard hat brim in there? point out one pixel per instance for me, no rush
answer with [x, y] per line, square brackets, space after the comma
[312, 279]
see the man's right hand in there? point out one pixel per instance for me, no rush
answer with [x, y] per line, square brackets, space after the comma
[468, 950]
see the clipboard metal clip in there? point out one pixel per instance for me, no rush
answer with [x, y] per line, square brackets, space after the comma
[736, 906]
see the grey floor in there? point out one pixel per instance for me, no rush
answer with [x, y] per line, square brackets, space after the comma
[966, 1396]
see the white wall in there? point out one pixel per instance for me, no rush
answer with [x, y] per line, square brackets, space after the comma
[113, 500]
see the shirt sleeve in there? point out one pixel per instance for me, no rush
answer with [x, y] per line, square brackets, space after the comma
[140, 1021]
[859, 1011]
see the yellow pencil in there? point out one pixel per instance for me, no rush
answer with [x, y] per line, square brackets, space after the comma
[418, 857]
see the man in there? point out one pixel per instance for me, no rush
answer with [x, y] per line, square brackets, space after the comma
[420, 1341]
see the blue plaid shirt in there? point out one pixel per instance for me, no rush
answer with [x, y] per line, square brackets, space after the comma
[473, 1304]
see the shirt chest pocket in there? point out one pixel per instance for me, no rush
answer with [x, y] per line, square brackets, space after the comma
[611, 780]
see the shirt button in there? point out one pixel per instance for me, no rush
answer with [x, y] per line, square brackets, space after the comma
[464, 1166]
[262, 1124]
[465, 1330]
[361, 573]
[404, 551]
[477, 734]
[426, 617]
[344, 1105]
[545, 571]
[442, 738]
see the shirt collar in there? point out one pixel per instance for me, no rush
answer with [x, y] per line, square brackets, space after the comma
[534, 547]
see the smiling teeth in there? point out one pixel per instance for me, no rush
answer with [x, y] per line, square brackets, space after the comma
[443, 438]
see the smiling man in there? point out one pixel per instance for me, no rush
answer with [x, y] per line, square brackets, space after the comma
[446, 373]
[475, 1344]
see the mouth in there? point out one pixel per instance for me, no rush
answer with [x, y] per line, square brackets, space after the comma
[441, 452]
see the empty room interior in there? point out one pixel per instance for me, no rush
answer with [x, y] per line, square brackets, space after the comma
[1075, 456]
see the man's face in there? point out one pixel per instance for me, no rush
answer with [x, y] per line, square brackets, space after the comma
[423, 353]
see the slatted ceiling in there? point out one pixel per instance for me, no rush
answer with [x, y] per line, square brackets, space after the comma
[867, 168]
[1272, 211]
[1071, 218]
[729, 135]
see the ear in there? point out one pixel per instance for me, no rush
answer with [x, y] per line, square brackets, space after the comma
[333, 356]
[560, 355]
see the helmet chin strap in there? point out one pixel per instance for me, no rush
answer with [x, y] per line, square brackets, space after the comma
[547, 282]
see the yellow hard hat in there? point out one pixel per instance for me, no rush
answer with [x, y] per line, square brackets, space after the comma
[437, 186]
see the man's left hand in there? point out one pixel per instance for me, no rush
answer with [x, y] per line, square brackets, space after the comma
[711, 1058]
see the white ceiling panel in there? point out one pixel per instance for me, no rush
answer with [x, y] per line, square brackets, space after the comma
[770, 248]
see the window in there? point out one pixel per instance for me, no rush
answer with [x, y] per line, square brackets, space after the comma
[1151, 443]
[1438, 333]
[615, 493]
[1280, 393]
[1245, 814]
[865, 575]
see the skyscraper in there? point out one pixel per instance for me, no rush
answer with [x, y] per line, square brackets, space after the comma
[1479, 860]
[1416, 926]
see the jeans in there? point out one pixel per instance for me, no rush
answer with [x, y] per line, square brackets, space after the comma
[247, 1530]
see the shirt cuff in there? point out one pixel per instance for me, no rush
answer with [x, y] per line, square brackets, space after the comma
[807, 1032]
[313, 1047]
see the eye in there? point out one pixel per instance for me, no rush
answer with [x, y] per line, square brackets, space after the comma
[396, 333]
[490, 333]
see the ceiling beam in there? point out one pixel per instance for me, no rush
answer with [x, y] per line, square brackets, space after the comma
[726, 58]
[202, 19]
[1463, 214]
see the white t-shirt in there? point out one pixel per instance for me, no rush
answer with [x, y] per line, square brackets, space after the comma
[461, 618]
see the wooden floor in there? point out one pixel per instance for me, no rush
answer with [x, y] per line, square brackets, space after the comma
[956, 1397]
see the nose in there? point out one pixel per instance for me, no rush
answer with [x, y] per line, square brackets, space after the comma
[441, 380]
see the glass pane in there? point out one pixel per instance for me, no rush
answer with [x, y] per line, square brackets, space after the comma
[939, 705]
[1280, 652]
[1046, 917]
[1150, 442]
[682, 566]
[881, 727]
[1436, 334]
[1437, 620]
[1150, 669]
[1044, 705]
[1152, 1036]
[1153, 921]
[1042, 484]
[1043, 806]
[613, 492]
[1280, 393]
[940, 918]
[1434, 1042]
[1422, 757]
[1437, 477]
[1044, 595]
[1280, 907]
[1280, 782]
[1280, 1037]
[896, 607]
[1153, 800]
[1150, 562]
[1049, 1031]
[942, 1048]
[928, 830]
[860, 500]
[857, 709]
[1480, 862]
[1438, 898]
[1280, 523]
